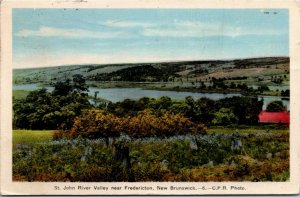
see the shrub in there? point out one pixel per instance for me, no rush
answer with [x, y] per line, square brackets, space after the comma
[98, 123]
[276, 106]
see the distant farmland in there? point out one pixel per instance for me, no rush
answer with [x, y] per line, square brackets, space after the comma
[253, 69]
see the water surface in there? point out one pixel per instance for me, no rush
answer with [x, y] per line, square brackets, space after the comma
[119, 94]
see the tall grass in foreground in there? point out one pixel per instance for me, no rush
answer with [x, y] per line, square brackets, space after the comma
[263, 157]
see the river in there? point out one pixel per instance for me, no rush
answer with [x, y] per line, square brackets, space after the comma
[119, 94]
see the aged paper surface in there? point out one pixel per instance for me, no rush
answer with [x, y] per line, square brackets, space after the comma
[246, 158]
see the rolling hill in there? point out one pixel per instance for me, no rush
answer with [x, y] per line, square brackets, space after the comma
[156, 72]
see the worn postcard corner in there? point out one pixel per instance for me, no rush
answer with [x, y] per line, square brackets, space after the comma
[160, 98]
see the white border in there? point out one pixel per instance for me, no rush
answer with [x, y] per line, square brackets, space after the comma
[39, 188]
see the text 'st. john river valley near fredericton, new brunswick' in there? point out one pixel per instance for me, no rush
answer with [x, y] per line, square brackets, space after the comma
[143, 95]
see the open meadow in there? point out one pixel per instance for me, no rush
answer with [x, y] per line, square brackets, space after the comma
[263, 156]
[31, 137]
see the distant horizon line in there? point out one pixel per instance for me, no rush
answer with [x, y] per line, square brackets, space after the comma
[175, 61]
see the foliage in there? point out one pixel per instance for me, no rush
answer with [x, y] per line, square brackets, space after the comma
[263, 88]
[202, 110]
[277, 79]
[98, 123]
[51, 110]
[285, 92]
[224, 116]
[265, 157]
[245, 108]
[276, 106]
[136, 73]
[95, 124]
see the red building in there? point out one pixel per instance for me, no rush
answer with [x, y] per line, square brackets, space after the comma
[274, 117]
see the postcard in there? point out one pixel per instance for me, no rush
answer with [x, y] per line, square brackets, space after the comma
[150, 97]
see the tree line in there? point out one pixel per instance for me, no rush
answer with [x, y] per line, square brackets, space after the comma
[233, 110]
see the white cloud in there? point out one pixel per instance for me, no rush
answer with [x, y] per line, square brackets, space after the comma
[45, 31]
[175, 29]
[183, 28]
[125, 24]
[200, 29]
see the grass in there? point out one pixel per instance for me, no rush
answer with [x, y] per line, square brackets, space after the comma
[31, 137]
[20, 94]
[92, 161]
[249, 130]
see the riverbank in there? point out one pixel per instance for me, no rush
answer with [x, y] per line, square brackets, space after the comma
[247, 90]
[186, 87]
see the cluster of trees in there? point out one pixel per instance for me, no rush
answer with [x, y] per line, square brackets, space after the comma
[277, 79]
[263, 88]
[140, 73]
[234, 110]
[260, 62]
[276, 106]
[136, 74]
[96, 123]
[219, 83]
[285, 93]
[51, 110]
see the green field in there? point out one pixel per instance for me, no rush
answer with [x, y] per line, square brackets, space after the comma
[20, 94]
[30, 137]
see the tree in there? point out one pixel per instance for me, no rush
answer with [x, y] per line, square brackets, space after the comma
[180, 108]
[79, 83]
[62, 88]
[245, 108]
[225, 116]
[285, 92]
[232, 85]
[163, 103]
[276, 106]
[204, 109]
[29, 112]
[100, 124]
[127, 107]
[50, 110]
[263, 88]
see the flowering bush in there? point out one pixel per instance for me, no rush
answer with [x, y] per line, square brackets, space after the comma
[98, 123]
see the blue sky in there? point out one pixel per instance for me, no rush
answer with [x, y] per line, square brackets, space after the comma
[53, 37]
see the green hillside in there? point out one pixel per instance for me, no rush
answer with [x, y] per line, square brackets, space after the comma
[255, 69]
